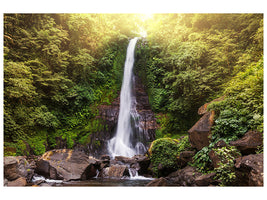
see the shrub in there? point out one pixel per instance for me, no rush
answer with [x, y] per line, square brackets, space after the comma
[202, 160]
[225, 172]
[164, 152]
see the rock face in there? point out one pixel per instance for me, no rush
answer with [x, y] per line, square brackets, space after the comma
[21, 181]
[249, 143]
[109, 115]
[115, 171]
[67, 165]
[206, 180]
[249, 170]
[158, 182]
[200, 132]
[17, 167]
[183, 177]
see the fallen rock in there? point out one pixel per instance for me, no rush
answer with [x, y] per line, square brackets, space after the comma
[206, 180]
[67, 165]
[21, 181]
[158, 182]
[142, 163]
[184, 158]
[251, 169]
[249, 143]
[115, 171]
[184, 177]
[200, 132]
[17, 166]
[125, 160]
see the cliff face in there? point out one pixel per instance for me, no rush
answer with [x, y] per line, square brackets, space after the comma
[109, 114]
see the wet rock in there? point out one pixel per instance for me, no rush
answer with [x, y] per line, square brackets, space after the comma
[45, 185]
[206, 180]
[16, 167]
[115, 171]
[143, 163]
[249, 143]
[67, 165]
[200, 132]
[109, 116]
[184, 177]
[158, 182]
[250, 170]
[184, 158]
[105, 157]
[21, 181]
[124, 159]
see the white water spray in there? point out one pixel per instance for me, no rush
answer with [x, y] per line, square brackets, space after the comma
[122, 144]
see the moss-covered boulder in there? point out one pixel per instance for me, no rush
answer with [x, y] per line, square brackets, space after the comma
[164, 154]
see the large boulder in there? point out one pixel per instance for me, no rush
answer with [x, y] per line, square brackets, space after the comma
[21, 181]
[184, 177]
[16, 167]
[142, 163]
[249, 170]
[184, 158]
[199, 134]
[206, 180]
[67, 165]
[115, 171]
[249, 143]
[158, 182]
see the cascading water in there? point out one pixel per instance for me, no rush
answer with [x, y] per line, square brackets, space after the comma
[128, 138]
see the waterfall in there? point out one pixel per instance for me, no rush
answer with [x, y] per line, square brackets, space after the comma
[126, 141]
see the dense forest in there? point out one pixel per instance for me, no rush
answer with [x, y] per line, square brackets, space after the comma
[58, 68]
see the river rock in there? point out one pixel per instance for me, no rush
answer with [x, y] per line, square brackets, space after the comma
[143, 163]
[184, 177]
[21, 181]
[250, 170]
[115, 171]
[158, 182]
[16, 167]
[200, 132]
[206, 180]
[249, 143]
[67, 165]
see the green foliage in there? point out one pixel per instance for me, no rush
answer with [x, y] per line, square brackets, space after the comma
[242, 109]
[188, 59]
[226, 171]
[59, 67]
[201, 160]
[38, 142]
[164, 152]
